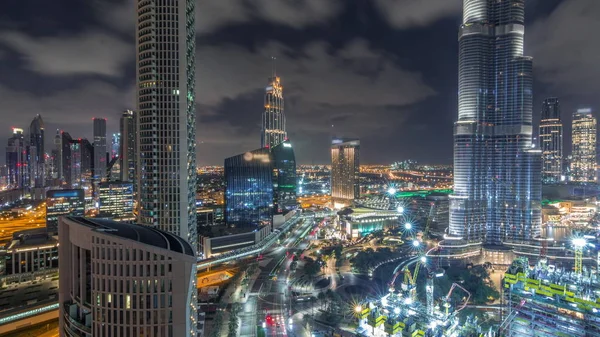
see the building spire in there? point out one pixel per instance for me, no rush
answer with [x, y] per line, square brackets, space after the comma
[273, 66]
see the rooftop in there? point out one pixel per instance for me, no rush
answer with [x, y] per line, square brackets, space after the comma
[143, 234]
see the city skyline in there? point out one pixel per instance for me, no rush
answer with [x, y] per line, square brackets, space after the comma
[229, 110]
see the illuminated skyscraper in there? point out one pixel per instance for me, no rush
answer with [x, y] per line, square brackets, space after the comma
[497, 174]
[63, 203]
[345, 171]
[583, 164]
[166, 119]
[249, 189]
[16, 160]
[284, 181]
[36, 139]
[127, 146]
[100, 148]
[115, 145]
[273, 119]
[551, 141]
[116, 200]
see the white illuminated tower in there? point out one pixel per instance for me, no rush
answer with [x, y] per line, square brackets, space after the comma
[497, 173]
[273, 119]
[165, 119]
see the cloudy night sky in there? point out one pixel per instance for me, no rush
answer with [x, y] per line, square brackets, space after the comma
[381, 70]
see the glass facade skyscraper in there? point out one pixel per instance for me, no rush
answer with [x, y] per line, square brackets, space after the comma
[249, 189]
[497, 173]
[127, 146]
[36, 139]
[345, 171]
[100, 148]
[273, 119]
[583, 163]
[285, 180]
[551, 141]
[116, 200]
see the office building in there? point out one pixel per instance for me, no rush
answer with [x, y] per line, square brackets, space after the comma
[285, 180]
[100, 148]
[165, 116]
[61, 203]
[583, 162]
[345, 171]
[65, 146]
[551, 141]
[127, 146]
[119, 279]
[36, 140]
[115, 145]
[81, 165]
[273, 118]
[249, 189]
[497, 174]
[29, 251]
[116, 200]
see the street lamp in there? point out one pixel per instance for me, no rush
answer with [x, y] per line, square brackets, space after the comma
[416, 243]
[423, 259]
[357, 309]
[400, 209]
[408, 226]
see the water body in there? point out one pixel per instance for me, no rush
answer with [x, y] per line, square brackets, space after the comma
[557, 233]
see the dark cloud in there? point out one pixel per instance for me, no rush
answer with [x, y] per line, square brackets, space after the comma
[381, 70]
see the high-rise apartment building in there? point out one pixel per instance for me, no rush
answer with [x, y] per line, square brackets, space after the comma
[273, 118]
[249, 189]
[57, 154]
[100, 148]
[63, 203]
[16, 160]
[551, 141]
[119, 279]
[36, 139]
[285, 179]
[127, 146]
[116, 200]
[345, 171]
[81, 164]
[165, 121]
[583, 163]
[497, 173]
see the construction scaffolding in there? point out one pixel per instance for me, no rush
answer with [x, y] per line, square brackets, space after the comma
[545, 301]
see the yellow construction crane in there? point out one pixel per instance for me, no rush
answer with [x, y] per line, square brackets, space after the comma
[579, 244]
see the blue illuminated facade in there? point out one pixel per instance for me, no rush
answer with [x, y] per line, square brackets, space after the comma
[249, 179]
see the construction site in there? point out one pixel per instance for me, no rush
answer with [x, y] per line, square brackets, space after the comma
[399, 313]
[544, 301]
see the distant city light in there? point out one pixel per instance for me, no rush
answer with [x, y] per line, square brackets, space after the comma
[397, 311]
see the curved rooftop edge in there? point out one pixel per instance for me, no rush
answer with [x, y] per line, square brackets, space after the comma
[140, 233]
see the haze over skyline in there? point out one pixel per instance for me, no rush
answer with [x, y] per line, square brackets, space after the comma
[384, 71]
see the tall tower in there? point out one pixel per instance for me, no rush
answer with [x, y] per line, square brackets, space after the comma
[273, 118]
[583, 164]
[166, 121]
[99, 148]
[497, 174]
[551, 141]
[345, 171]
[58, 164]
[16, 160]
[166, 138]
[36, 139]
[127, 146]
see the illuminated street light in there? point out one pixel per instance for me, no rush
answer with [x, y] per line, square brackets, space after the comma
[416, 243]
[400, 209]
[358, 308]
[392, 191]
[423, 259]
[397, 311]
[408, 225]
[579, 242]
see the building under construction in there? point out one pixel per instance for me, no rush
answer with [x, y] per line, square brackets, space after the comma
[545, 301]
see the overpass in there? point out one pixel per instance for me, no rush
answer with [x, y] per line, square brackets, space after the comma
[261, 246]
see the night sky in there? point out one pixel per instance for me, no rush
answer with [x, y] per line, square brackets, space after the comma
[381, 70]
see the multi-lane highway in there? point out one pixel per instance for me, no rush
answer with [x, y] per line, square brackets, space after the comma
[34, 218]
